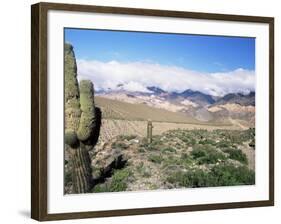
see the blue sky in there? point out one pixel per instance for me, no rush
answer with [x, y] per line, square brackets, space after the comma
[214, 65]
[194, 52]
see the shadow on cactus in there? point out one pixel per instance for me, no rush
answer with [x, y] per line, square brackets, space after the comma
[82, 123]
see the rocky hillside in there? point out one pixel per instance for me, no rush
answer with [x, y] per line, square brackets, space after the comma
[121, 110]
[175, 159]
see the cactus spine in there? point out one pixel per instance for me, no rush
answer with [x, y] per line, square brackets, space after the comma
[80, 123]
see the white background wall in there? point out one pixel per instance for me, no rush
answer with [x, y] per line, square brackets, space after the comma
[15, 111]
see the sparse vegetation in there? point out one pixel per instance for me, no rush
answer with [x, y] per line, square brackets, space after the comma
[143, 170]
[155, 158]
[182, 158]
[118, 182]
[221, 175]
[126, 137]
[119, 145]
[236, 154]
[168, 149]
[207, 154]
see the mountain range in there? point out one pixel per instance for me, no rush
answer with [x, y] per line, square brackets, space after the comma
[196, 104]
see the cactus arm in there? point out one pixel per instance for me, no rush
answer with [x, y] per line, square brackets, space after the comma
[87, 120]
[71, 92]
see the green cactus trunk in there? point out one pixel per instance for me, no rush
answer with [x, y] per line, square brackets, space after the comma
[149, 131]
[80, 123]
[82, 174]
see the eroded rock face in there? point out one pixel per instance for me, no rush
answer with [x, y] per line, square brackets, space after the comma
[105, 160]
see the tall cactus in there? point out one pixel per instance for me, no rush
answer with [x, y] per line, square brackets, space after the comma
[81, 124]
[149, 131]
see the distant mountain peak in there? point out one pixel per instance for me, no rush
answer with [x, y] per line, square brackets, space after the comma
[197, 96]
[119, 85]
[238, 98]
[156, 90]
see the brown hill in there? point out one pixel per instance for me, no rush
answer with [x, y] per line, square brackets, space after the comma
[114, 109]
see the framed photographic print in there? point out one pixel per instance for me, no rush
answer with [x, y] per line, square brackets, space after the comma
[140, 111]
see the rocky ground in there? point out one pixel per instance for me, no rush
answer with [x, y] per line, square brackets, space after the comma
[175, 159]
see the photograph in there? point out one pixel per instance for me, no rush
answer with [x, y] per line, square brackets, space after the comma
[157, 111]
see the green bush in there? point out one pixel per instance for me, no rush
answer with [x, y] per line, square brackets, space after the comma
[171, 160]
[221, 175]
[207, 142]
[99, 188]
[119, 182]
[207, 154]
[236, 154]
[223, 144]
[143, 170]
[155, 158]
[196, 178]
[198, 152]
[227, 175]
[155, 145]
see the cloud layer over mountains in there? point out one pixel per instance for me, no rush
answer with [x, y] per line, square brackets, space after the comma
[136, 76]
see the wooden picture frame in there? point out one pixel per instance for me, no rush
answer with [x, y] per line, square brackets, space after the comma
[39, 110]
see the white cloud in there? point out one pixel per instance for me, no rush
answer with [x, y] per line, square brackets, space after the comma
[138, 75]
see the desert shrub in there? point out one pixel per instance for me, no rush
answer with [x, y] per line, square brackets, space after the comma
[188, 140]
[126, 137]
[119, 145]
[184, 156]
[143, 143]
[186, 159]
[143, 170]
[168, 149]
[236, 154]
[221, 175]
[171, 161]
[119, 182]
[227, 175]
[207, 142]
[238, 137]
[155, 145]
[211, 158]
[178, 178]
[156, 141]
[155, 158]
[152, 186]
[198, 152]
[223, 144]
[152, 147]
[207, 154]
[195, 178]
[101, 188]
